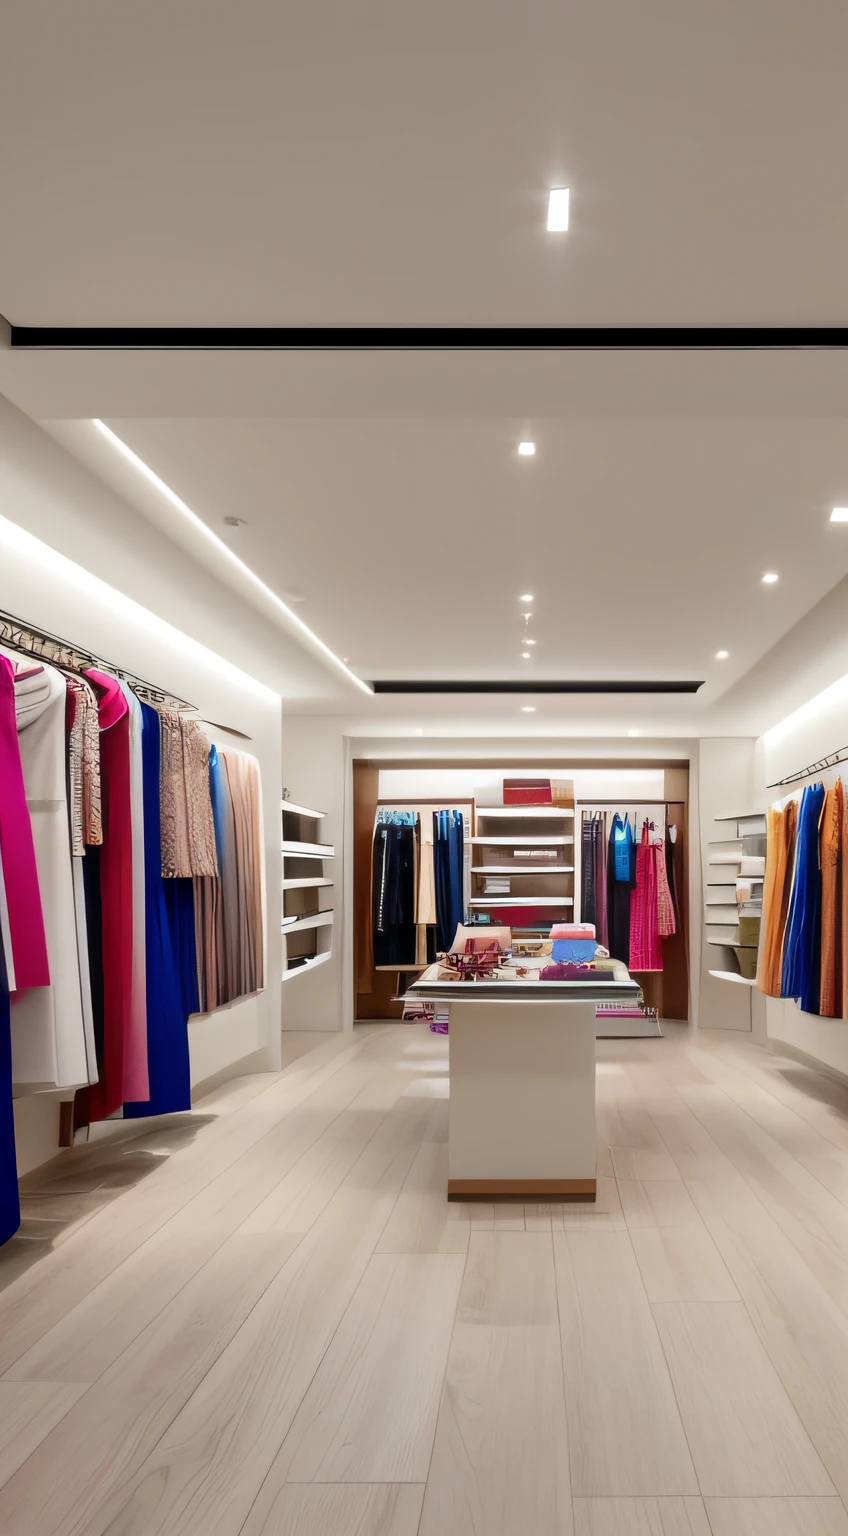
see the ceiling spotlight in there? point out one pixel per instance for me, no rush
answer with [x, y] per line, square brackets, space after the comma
[769, 577]
[721, 655]
[528, 709]
[558, 210]
[839, 515]
[526, 597]
[529, 642]
[526, 450]
[525, 655]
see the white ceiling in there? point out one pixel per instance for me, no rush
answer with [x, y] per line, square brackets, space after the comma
[193, 162]
[642, 541]
[387, 163]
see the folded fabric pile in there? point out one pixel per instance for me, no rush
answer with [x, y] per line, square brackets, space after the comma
[573, 942]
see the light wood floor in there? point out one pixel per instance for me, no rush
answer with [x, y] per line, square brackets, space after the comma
[263, 1318]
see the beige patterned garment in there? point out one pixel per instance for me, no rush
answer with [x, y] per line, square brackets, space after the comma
[188, 828]
[84, 757]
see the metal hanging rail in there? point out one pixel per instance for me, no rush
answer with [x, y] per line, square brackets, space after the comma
[831, 761]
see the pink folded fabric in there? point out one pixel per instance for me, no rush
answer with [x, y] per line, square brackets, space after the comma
[28, 963]
[573, 931]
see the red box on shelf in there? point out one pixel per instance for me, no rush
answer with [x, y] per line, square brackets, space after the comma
[527, 792]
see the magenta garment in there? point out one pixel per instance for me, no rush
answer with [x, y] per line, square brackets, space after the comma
[601, 891]
[645, 943]
[20, 873]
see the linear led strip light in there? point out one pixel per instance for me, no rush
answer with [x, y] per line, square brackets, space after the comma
[197, 522]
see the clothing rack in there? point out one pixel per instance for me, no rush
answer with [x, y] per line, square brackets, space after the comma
[20, 636]
[832, 760]
[23, 637]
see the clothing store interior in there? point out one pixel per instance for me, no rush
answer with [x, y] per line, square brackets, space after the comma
[423, 827]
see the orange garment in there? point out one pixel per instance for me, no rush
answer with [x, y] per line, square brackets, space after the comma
[843, 913]
[830, 859]
[777, 889]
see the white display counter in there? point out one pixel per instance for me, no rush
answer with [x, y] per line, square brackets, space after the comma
[522, 1084]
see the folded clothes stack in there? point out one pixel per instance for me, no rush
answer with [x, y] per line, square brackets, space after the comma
[573, 942]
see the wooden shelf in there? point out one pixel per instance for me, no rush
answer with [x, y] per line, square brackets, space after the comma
[526, 812]
[521, 901]
[301, 810]
[520, 842]
[522, 869]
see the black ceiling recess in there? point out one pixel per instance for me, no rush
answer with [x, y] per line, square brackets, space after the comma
[293, 338]
[529, 686]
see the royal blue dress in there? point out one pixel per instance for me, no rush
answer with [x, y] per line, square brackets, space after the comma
[801, 976]
[172, 992]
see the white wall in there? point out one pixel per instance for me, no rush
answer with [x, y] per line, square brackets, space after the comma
[814, 731]
[60, 595]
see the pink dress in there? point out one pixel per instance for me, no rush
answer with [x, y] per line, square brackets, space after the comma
[645, 944]
[29, 965]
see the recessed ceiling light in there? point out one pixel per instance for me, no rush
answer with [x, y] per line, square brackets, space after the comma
[839, 515]
[558, 210]
[529, 642]
[769, 577]
[526, 597]
[721, 655]
[527, 450]
[528, 709]
[525, 655]
[634, 733]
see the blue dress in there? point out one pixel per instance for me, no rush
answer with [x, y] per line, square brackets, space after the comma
[801, 976]
[171, 954]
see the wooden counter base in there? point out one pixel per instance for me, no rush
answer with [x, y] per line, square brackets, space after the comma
[525, 1189]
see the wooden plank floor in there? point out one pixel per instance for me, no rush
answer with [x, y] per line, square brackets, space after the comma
[263, 1318]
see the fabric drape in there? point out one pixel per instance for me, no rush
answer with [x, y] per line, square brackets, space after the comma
[801, 977]
[10, 1206]
[645, 945]
[618, 889]
[26, 957]
[781, 828]
[449, 863]
[167, 1014]
[393, 894]
[188, 827]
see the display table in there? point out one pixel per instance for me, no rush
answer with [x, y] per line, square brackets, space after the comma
[522, 1084]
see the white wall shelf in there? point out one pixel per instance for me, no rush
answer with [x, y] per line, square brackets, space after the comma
[307, 928]
[309, 850]
[744, 981]
[309, 920]
[298, 883]
[307, 965]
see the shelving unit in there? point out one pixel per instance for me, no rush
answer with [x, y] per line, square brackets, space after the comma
[738, 932]
[521, 864]
[307, 922]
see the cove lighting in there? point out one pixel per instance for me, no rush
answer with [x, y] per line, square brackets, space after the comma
[634, 733]
[558, 210]
[528, 709]
[839, 515]
[721, 655]
[526, 450]
[769, 578]
[527, 597]
[197, 522]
